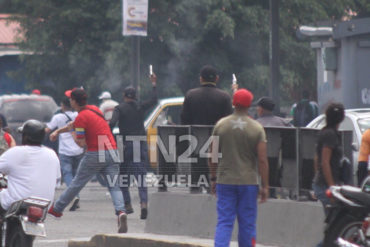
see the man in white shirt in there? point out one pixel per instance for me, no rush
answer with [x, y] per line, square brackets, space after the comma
[70, 153]
[32, 169]
[108, 105]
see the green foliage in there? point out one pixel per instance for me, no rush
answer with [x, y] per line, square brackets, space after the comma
[79, 42]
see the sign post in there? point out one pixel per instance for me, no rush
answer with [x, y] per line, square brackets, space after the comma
[135, 24]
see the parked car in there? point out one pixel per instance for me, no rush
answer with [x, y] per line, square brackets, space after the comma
[356, 120]
[18, 108]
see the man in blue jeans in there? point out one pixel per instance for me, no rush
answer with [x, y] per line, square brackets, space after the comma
[242, 143]
[130, 118]
[89, 127]
[69, 152]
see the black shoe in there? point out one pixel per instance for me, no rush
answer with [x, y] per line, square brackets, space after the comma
[196, 190]
[144, 213]
[75, 204]
[129, 209]
[162, 189]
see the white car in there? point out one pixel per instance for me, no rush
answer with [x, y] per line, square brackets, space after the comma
[356, 120]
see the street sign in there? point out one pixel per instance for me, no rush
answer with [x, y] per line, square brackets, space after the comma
[135, 17]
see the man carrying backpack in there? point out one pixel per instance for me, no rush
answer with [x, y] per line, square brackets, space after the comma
[304, 111]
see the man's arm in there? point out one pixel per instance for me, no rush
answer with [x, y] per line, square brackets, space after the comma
[263, 170]
[53, 136]
[154, 99]
[325, 164]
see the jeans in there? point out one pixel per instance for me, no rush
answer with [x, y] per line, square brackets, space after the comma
[236, 201]
[320, 192]
[68, 166]
[88, 167]
[132, 169]
[325, 201]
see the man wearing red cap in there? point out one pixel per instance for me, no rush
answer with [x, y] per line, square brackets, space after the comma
[234, 178]
[88, 127]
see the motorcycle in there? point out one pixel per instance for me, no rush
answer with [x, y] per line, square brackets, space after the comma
[23, 221]
[350, 206]
[364, 234]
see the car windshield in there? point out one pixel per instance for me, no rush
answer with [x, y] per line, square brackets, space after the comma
[22, 110]
[364, 124]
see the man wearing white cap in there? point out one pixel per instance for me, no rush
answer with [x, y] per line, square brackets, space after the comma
[107, 106]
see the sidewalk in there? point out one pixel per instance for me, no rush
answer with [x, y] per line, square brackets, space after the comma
[147, 240]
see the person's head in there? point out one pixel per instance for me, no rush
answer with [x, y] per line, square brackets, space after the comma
[105, 95]
[33, 132]
[208, 74]
[242, 99]
[77, 98]
[65, 104]
[305, 94]
[129, 94]
[334, 115]
[265, 105]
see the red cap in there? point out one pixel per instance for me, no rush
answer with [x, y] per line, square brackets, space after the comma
[68, 93]
[36, 91]
[243, 98]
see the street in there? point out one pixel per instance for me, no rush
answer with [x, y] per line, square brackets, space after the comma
[95, 216]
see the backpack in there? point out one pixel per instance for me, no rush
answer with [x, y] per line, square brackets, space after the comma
[3, 143]
[303, 114]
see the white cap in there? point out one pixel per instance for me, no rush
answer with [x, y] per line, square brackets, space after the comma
[105, 95]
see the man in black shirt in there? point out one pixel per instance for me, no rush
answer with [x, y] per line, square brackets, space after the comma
[130, 117]
[204, 105]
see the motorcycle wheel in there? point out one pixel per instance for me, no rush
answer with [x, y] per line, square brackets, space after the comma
[346, 228]
[18, 238]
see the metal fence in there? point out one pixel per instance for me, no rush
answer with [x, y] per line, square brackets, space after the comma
[290, 153]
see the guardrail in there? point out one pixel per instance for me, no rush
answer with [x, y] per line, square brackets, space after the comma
[182, 156]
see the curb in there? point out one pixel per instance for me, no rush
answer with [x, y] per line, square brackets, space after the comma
[118, 240]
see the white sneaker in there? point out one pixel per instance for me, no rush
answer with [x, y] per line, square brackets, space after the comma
[122, 222]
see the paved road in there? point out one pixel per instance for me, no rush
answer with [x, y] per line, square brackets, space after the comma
[96, 215]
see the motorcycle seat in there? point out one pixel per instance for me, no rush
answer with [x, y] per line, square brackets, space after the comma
[356, 195]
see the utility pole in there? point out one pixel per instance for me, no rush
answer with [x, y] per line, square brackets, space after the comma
[274, 54]
[135, 64]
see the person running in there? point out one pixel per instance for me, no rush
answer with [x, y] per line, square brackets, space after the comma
[69, 152]
[89, 127]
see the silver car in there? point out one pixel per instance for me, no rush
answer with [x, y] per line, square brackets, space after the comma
[356, 120]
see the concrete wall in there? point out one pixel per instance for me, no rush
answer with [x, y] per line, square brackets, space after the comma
[280, 222]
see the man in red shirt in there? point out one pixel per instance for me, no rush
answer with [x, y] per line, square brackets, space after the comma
[88, 128]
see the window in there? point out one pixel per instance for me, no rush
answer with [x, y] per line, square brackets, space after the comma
[169, 115]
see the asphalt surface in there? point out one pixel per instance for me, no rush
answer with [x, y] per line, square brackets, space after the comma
[95, 216]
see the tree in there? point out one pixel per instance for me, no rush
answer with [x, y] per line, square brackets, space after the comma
[79, 42]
